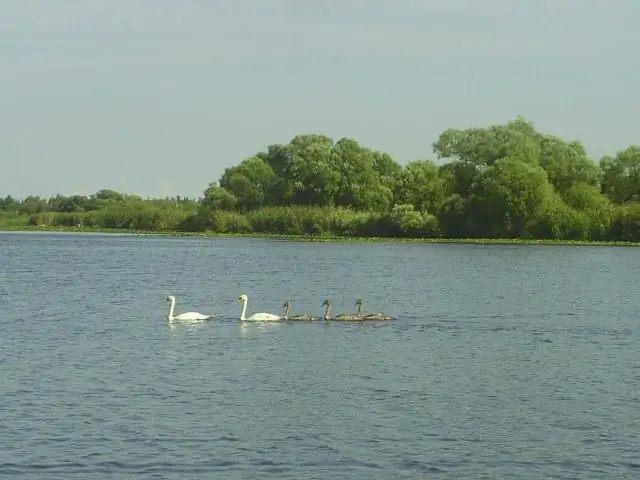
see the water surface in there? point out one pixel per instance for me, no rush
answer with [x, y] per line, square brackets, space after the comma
[502, 362]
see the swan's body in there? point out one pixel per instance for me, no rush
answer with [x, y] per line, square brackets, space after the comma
[370, 316]
[376, 316]
[340, 318]
[302, 316]
[256, 317]
[355, 317]
[183, 316]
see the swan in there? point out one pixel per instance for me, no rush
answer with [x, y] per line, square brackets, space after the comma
[370, 316]
[259, 317]
[302, 316]
[342, 317]
[185, 315]
[346, 317]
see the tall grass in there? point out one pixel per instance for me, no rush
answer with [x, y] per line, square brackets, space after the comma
[302, 220]
[403, 221]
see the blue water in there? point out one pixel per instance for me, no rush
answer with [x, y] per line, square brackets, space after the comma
[502, 362]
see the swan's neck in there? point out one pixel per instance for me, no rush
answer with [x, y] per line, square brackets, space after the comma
[171, 309]
[286, 311]
[244, 309]
[326, 311]
[359, 309]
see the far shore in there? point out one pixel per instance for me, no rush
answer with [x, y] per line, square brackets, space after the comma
[324, 238]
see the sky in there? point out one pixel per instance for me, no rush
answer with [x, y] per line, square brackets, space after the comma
[158, 97]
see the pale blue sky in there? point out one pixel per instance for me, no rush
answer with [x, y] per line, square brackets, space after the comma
[157, 97]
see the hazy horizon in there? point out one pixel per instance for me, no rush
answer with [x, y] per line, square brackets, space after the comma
[158, 98]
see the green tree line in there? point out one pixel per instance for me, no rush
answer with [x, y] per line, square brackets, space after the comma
[500, 181]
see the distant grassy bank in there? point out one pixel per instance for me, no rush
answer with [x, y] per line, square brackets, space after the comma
[322, 238]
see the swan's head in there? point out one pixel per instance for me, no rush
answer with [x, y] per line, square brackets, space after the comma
[286, 304]
[170, 298]
[326, 302]
[242, 298]
[359, 301]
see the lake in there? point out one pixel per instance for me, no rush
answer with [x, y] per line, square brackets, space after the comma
[518, 362]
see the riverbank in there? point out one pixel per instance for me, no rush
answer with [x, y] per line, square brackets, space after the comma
[322, 238]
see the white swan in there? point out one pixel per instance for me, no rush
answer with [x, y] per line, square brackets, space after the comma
[185, 315]
[257, 317]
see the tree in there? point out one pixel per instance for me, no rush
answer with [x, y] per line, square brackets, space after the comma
[217, 198]
[251, 183]
[597, 210]
[421, 184]
[308, 170]
[359, 184]
[508, 198]
[9, 204]
[567, 164]
[386, 168]
[485, 146]
[33, 204]
[621, 175]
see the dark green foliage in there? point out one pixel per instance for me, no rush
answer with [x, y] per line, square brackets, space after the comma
[500, 181]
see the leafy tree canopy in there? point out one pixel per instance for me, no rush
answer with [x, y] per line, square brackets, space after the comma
[508, 180]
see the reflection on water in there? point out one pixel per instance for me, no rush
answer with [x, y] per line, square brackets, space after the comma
[256, 328]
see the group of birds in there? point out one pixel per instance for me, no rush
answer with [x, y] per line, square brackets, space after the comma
[271, 317]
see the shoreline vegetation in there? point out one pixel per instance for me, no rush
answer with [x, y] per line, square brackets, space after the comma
[502, 184]
[326, 238]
